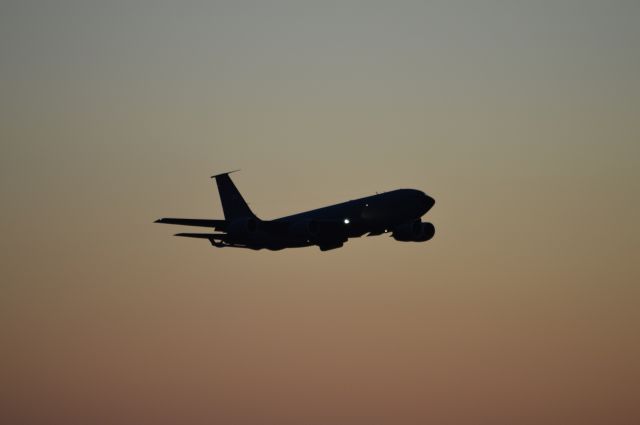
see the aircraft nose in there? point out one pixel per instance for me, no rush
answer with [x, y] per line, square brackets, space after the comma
[427, 202]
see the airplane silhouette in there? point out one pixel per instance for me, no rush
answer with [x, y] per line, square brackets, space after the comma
[398, 212]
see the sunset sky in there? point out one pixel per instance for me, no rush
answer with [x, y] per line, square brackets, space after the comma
[521, 118]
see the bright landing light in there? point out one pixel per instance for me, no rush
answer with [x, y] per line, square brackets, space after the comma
[346, 221]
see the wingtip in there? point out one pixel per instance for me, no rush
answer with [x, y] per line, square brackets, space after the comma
[158, 220]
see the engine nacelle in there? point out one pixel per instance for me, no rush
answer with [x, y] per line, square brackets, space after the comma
[304, 229]
[243, 228]
[414, 231]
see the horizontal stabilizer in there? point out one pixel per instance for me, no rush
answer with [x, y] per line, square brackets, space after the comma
[210, 236]
[216, 224]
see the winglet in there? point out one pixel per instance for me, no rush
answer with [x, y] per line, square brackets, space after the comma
[222, 174]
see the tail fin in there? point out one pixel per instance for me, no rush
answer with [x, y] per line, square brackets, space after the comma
[233, 204]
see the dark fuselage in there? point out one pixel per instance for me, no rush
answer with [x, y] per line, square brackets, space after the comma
[372, 214]
[335, 224]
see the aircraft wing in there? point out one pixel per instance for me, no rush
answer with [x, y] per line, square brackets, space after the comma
[215, 224]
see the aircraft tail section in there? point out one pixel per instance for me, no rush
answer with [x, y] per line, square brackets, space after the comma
[233, 204]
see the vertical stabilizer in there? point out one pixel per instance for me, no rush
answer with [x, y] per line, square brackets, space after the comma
[233, 204]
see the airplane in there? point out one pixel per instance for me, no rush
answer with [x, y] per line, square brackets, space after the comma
[398, 212]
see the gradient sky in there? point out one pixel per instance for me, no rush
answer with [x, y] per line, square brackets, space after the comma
[521, 118]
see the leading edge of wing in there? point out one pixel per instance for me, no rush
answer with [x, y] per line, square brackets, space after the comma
[216, 224]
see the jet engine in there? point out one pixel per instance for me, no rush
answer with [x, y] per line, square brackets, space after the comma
[414, 231]
[304, 229]
[244, 228]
